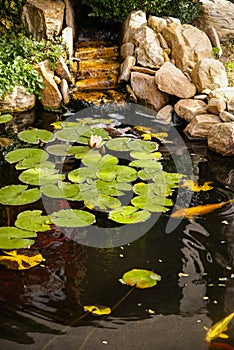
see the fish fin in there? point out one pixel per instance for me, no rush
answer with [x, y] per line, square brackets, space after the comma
[224, 336]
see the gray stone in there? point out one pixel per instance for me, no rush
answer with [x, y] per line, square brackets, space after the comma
[64, 91]
[188, 44]
[200, 125]
[221, 138]
[17, 101]
[172, 81]
[125, 68]
[149, 52]
[189, 108]
[43, 19]
[209, 73]
[165, 114]
[127, 50]
[147, 92]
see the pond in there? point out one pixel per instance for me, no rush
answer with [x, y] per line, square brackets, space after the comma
[42, 307]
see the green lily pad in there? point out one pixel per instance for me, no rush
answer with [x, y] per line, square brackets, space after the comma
[106, 173]
[153, 204]
[171, 179]
[71, 133]
[29, 163]
[145, 155]
[118, 144]
[72, 218]
[129, 215]
[146, 174]
[126, 174]
[37, 176]
[82, 174]
[140, 145]
[35, 136]
[100, 201]
[65, 190]
[152, 189]
[92, 159]
[79, 151]
[33, 220]
[5, 118]
[60, 149]
[32, 154]
[18, 195]
[146, 163]
[15, 238]
[84, 138]
[141, 278]
[64, 124]
[111, 188]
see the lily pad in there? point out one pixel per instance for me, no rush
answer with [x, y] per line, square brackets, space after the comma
[82, 174]
[29, 163]
[65, 190]
[146, 163]
[5, 118]
[129, 215]
[15, 238]
[92, 159]
[18, 195]
[33, 220]
[79, 151]
[71, 133]
[141, 278]
[72, 218]
[126, 174]
[152, 189]
[35, 136]
[33, 154]
[60, 149]
[146, 155]
[97, 310]
[140, 145]
[146, 174]
[171, 179]
[112, 188]
[37, 176]
[153, 203]
[100, 201]
[118, 144]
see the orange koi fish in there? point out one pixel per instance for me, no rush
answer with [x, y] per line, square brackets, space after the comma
[218, 328]
[199, 210]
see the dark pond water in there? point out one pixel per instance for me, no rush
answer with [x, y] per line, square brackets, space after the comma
[41, 308]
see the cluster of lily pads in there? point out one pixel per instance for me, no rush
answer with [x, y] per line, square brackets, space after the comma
[99, 181]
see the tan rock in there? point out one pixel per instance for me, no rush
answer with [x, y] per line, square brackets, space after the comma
[221, 138]
[157, 23]
[70, 17]
[209, 73]
[17, 101]
[57, 79]
[226, 117]
[189, 108]
[200, 125]
[67, 35]
[147, 92]
[163, 43]
[201, 97]
[125, 68]
[214, 39]
[43, 19]
[230, 105]
[226, 93]
[51, 96]
[216, 105]
[65, 91]
[188, 44]
[62, 70]
[134, 21]
[165, 114]
[149, 52]
[143, 70]
[172, 81]
[127, 50]
[220, 15]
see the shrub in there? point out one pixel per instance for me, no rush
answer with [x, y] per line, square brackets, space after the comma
[117, 11]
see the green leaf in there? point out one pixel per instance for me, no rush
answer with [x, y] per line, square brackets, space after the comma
[82, 174]
[29, 163]
[71, 133]
[141, 278]
[35, 136]
[152, 204]
[146, 155]
[31, 154]
[65, 190]
[18, 195]
[72, 218]
[140, 145]
[111, 188]
[129, 215]
[100, 201]
[126, 174]
[171, 179]
[33, 220]
[118, 144]
[5, 118]
[15, 238]
[151, 189]
[92, 159]
[37, 176]
[146, 163]
[60, 149]
[79, 151]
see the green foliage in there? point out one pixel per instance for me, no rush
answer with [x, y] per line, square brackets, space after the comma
[10, 14]
[19, 56]
[117, 11]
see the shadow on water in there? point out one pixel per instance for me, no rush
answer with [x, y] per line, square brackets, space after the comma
[41, 307]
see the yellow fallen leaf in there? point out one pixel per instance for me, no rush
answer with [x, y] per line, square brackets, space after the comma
[15, 261]
[97, 310]
[218, 328]
[146, 137]
[193, 186]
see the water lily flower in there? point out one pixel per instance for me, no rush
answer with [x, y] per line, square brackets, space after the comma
[96, 141]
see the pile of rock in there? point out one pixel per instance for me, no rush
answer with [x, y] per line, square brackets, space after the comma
[166, 62]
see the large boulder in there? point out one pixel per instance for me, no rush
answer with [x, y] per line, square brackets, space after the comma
[51, 96]
[147, 92]
[189, 108]
[221, 138]
[200, 125]
[209, 73]
[17, 101]
[172, 81]
[188, 45]
[43, 19]
[149, 52]
[220, 15]
[134, 21]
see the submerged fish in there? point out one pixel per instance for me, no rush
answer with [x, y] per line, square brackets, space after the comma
[218, 328]
[199, 210]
